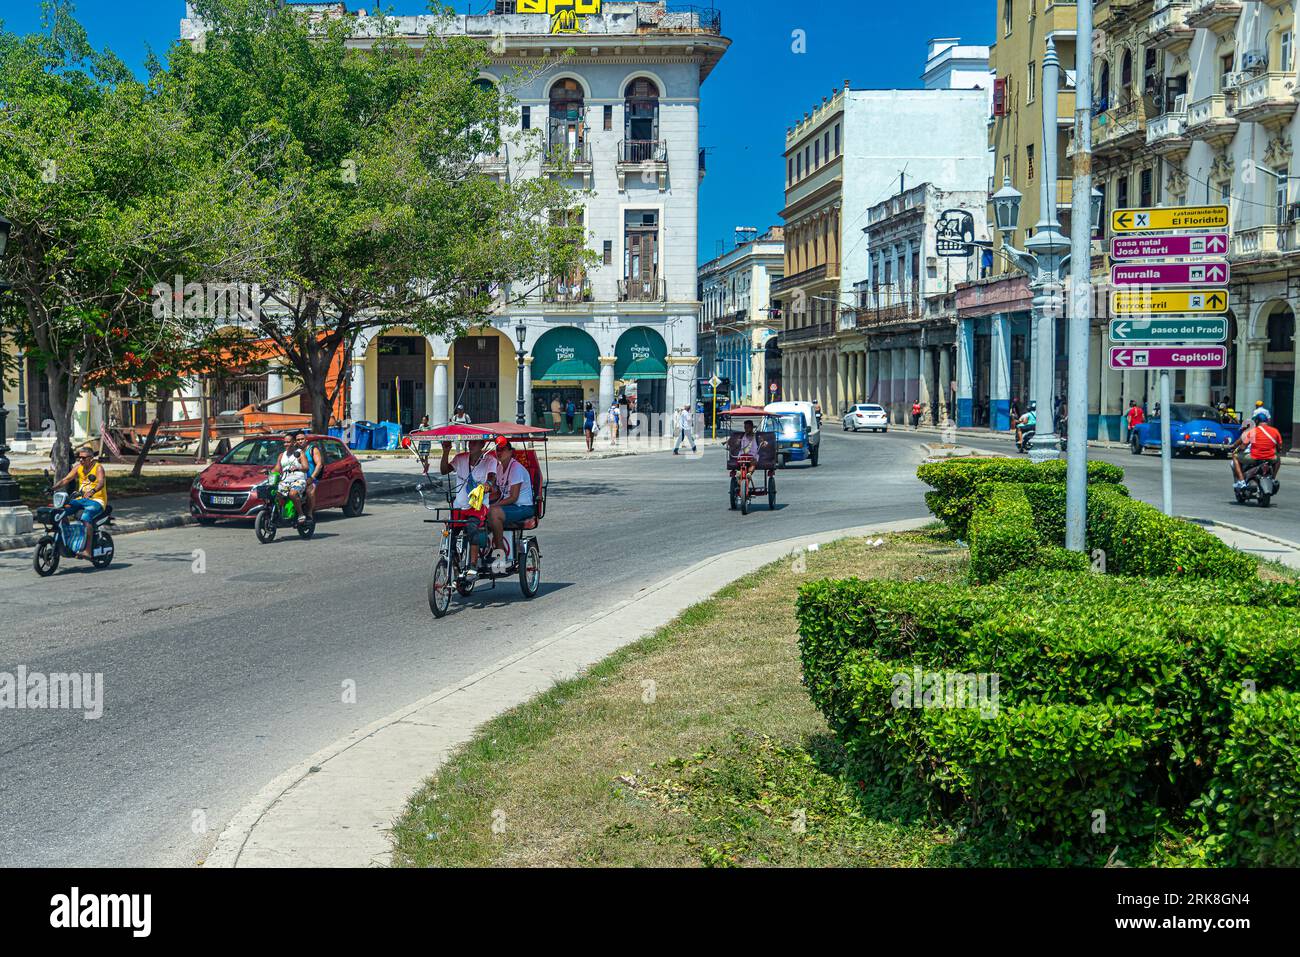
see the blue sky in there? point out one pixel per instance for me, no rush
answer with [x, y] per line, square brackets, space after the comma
[758, 90]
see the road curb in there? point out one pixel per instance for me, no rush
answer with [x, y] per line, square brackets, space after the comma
[119, 527]
[233, 840]
[1242, 529]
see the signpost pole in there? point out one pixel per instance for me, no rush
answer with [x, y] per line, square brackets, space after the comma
[1080, 320]
[1166, 445]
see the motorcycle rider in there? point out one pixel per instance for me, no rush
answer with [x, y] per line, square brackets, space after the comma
[91, 494]
[1262, 443]
[1026, 426]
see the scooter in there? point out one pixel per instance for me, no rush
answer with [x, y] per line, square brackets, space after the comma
[65, 535]
[1261, 486]
[278, 512]
[1024, 439]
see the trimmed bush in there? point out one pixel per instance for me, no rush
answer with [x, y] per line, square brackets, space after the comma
[1255, 802]
[1139, 539]
[1002, 533]
[956, 483]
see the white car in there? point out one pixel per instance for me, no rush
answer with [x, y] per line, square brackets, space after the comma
[863, 416]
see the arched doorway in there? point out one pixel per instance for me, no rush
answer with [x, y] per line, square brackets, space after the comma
[477, 359]
[565, 369]
[641, 121]
[641, 364]
[1279, 366]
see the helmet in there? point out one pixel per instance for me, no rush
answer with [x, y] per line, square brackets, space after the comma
[1259, 403]
[1033, 406]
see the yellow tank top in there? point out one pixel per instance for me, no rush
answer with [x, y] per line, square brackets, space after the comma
[89, 478]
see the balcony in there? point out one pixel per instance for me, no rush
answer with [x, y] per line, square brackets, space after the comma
[907, 311]
[1257, 242]
[565, 157]
[1217, 15]
[816, 330]
[805, 278]
[1210, 119]
[645, 158]
[1167, 135]
[1268, 99]
[1168, 29]
[642, 290]
[1120, 129]
[494, 164]
[567, 290]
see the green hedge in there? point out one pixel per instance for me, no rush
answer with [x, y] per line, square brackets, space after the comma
[1255, 802]
[956, 482]
[1139, 539]
[1137, 687]
[1002, 533]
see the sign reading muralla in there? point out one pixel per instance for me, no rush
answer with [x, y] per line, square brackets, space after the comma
[564, 13]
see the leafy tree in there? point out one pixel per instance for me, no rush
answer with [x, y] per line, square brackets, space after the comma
[111, 191]
[389, 219]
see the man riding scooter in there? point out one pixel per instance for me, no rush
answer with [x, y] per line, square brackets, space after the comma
[1026, 426]
[1261, 443]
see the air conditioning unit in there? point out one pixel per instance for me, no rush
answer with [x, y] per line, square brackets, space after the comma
[1180, 103]
[1254, 62]
[1229, 81]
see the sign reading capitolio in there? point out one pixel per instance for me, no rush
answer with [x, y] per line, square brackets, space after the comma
[564, 13]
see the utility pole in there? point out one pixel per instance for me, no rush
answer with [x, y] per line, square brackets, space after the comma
[1080, 321]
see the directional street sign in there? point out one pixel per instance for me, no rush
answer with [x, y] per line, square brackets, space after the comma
[1213, 272]
[1177, 301]
[1169, 357]
[1189, 329]
[1156, 247]
[1168, 219]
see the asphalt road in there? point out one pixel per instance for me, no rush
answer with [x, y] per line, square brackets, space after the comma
[225, 662]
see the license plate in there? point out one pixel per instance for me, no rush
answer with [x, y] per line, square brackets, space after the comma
[223, 500]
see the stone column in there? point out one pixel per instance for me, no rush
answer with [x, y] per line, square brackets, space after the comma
[999, 373]
[1111, 424]
[1254, 377]
[1198, 387]
[607, 383]
[871, 367]
[965, 372]
[925, 388]
[439, 415]
[841, 383]
[912, 385]
[898, 369]
[885, 363]
[1097, 355]
[945, 377]
[274, 386]
[357, 389]
[680, 385]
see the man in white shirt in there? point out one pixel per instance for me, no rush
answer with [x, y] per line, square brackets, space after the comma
[685, 428]
[512, 501]
[473, 468]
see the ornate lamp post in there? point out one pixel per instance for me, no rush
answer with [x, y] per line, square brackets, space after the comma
[521, 336]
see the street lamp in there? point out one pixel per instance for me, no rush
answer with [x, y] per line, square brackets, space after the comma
[1045, 260]
[521, 335]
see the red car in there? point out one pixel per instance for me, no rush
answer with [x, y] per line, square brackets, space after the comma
[225, 488]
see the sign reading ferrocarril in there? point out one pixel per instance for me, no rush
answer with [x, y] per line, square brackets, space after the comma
[1174, 301]
[1161, 219]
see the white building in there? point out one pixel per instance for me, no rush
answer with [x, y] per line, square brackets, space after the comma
[736, 317]
[624, 106]
[953, 65]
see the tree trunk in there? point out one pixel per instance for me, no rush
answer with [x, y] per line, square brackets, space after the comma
[62, 407]
[148, 444]
[204, 422]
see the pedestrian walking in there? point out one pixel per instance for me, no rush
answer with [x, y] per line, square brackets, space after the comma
[589, 426]
[570, 409]
[685, 428]
[1134, 417]
[916, 415]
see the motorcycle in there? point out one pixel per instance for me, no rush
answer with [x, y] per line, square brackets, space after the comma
[1025, 439]
[1261, 486]
[278, 512]
[64, 536]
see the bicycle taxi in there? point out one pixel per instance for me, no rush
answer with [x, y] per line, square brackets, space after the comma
[523, 556]
[746, 469]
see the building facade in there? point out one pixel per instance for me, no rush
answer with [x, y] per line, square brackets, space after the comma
[739, 328]
[853, 150]
[622, 106]
[906, 308]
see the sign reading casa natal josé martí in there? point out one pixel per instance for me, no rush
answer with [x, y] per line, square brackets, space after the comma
[1173, 218]
[1189, 329]
[564, 13]
[1157, 247]
[1169, 357]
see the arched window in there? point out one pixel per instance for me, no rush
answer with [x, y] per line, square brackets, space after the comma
[1126, 71]
[640, 121]
[567, 132]
[1103, 89]
[1281, 329]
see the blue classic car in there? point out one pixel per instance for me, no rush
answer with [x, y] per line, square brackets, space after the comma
[1192, 427]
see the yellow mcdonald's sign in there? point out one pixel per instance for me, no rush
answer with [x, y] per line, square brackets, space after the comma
[563, 13]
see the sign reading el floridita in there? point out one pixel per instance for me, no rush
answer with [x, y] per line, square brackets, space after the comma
[564, 13]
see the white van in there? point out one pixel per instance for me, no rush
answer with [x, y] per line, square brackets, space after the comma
[805, 445]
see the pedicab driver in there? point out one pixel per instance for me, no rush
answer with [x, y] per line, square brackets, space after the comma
[513, 503]
[475, 469]
[750, 443]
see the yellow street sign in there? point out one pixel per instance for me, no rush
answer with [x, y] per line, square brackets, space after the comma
[1174, 301]
[1175, 217]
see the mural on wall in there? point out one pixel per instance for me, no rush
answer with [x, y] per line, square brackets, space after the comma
[564, 13]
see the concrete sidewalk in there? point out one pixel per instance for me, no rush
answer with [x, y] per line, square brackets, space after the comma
[1262, 546]
[335, 808]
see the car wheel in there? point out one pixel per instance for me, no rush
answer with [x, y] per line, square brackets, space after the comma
[102, 554]
[846, 426]
[46, 559]
[771, 493]
[530, 572]
[356, 502]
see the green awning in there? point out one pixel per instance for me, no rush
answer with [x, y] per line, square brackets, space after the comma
[565, 354]
[641, 354]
